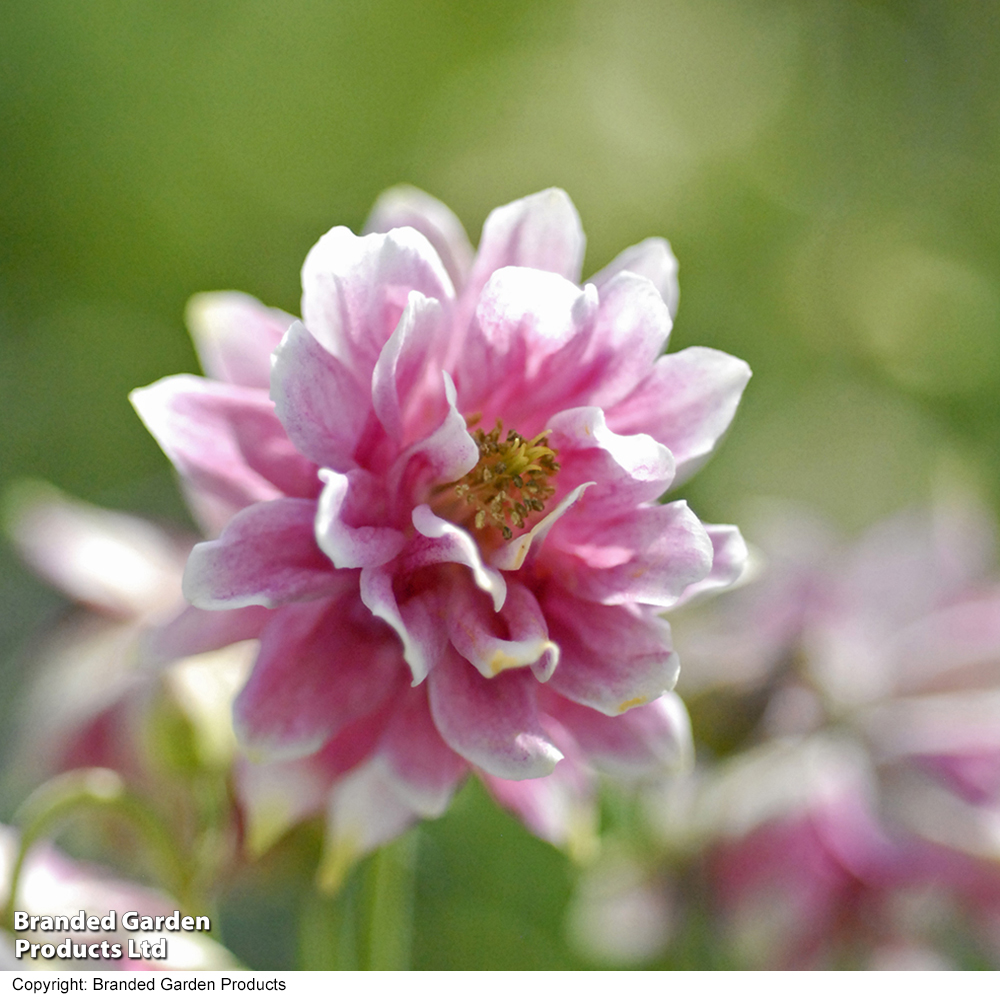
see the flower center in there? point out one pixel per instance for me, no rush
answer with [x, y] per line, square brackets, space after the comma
[508, 484]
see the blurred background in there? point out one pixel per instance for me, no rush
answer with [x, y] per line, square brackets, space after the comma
[827, 173]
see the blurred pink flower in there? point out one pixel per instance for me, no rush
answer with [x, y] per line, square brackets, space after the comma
[443, 524]
[873, 773]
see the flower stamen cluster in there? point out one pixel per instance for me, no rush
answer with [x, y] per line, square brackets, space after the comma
[509, 483]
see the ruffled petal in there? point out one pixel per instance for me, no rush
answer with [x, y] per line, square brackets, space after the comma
[354, 290]
[266, 555]
[611, 658]
[321, 405]
[321, 666]
[235, 335]
[406, 382]
[652, 259]
[542, 231]
[729, 560]
[643, 741]
[630, 329]
[444, 542]
[473, 626]
[492, 723]
[224, 439]
[686, 402]
[625, 470]
[514, 554]
[343, 501]
[650, 555]
[443, 457]
[404, 205]
[522, 318]
[418, 622]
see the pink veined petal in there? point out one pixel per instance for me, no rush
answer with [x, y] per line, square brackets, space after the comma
[235, 335]
[418, 624]
[195, 631]
[266, 555]
[648, 556]
[611, 658]
[729, 559]
[405, 205]
[443, 457]
[445, 542]
[686, 402]
[352, 546]
[523, 318]
[427, 769]
[542, 231]
[225, 439]
[322, 406]
[492, 723]
[406, 381]
[652, 259]
[473, 626]
[321, 666]
[644, 741]
[354, 290]
[625, 470]
[514, 553]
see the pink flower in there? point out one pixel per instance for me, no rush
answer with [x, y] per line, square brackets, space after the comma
[442, 523]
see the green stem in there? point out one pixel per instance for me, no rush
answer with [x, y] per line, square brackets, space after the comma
[97, 787]
[391, 890]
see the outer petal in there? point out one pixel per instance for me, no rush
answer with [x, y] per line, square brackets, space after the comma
[195, 631]
[322, 406]
[354, 289]
[266, 555]
[348, 545]
[426, 768]
[652, 259]
[224, 439]
[649, 556]
[235, 335]
[321, 666]
[473, 627]
[492, 723]
[560, 807]
[729, 560]
[541, 231]
[406, 382]
[404, 205]
[366, 809]
[686, 402]
[611, 658]
[645, 740]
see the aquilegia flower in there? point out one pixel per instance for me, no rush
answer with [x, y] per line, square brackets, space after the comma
[441, 520]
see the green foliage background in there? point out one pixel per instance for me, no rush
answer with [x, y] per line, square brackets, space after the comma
[827, 172]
